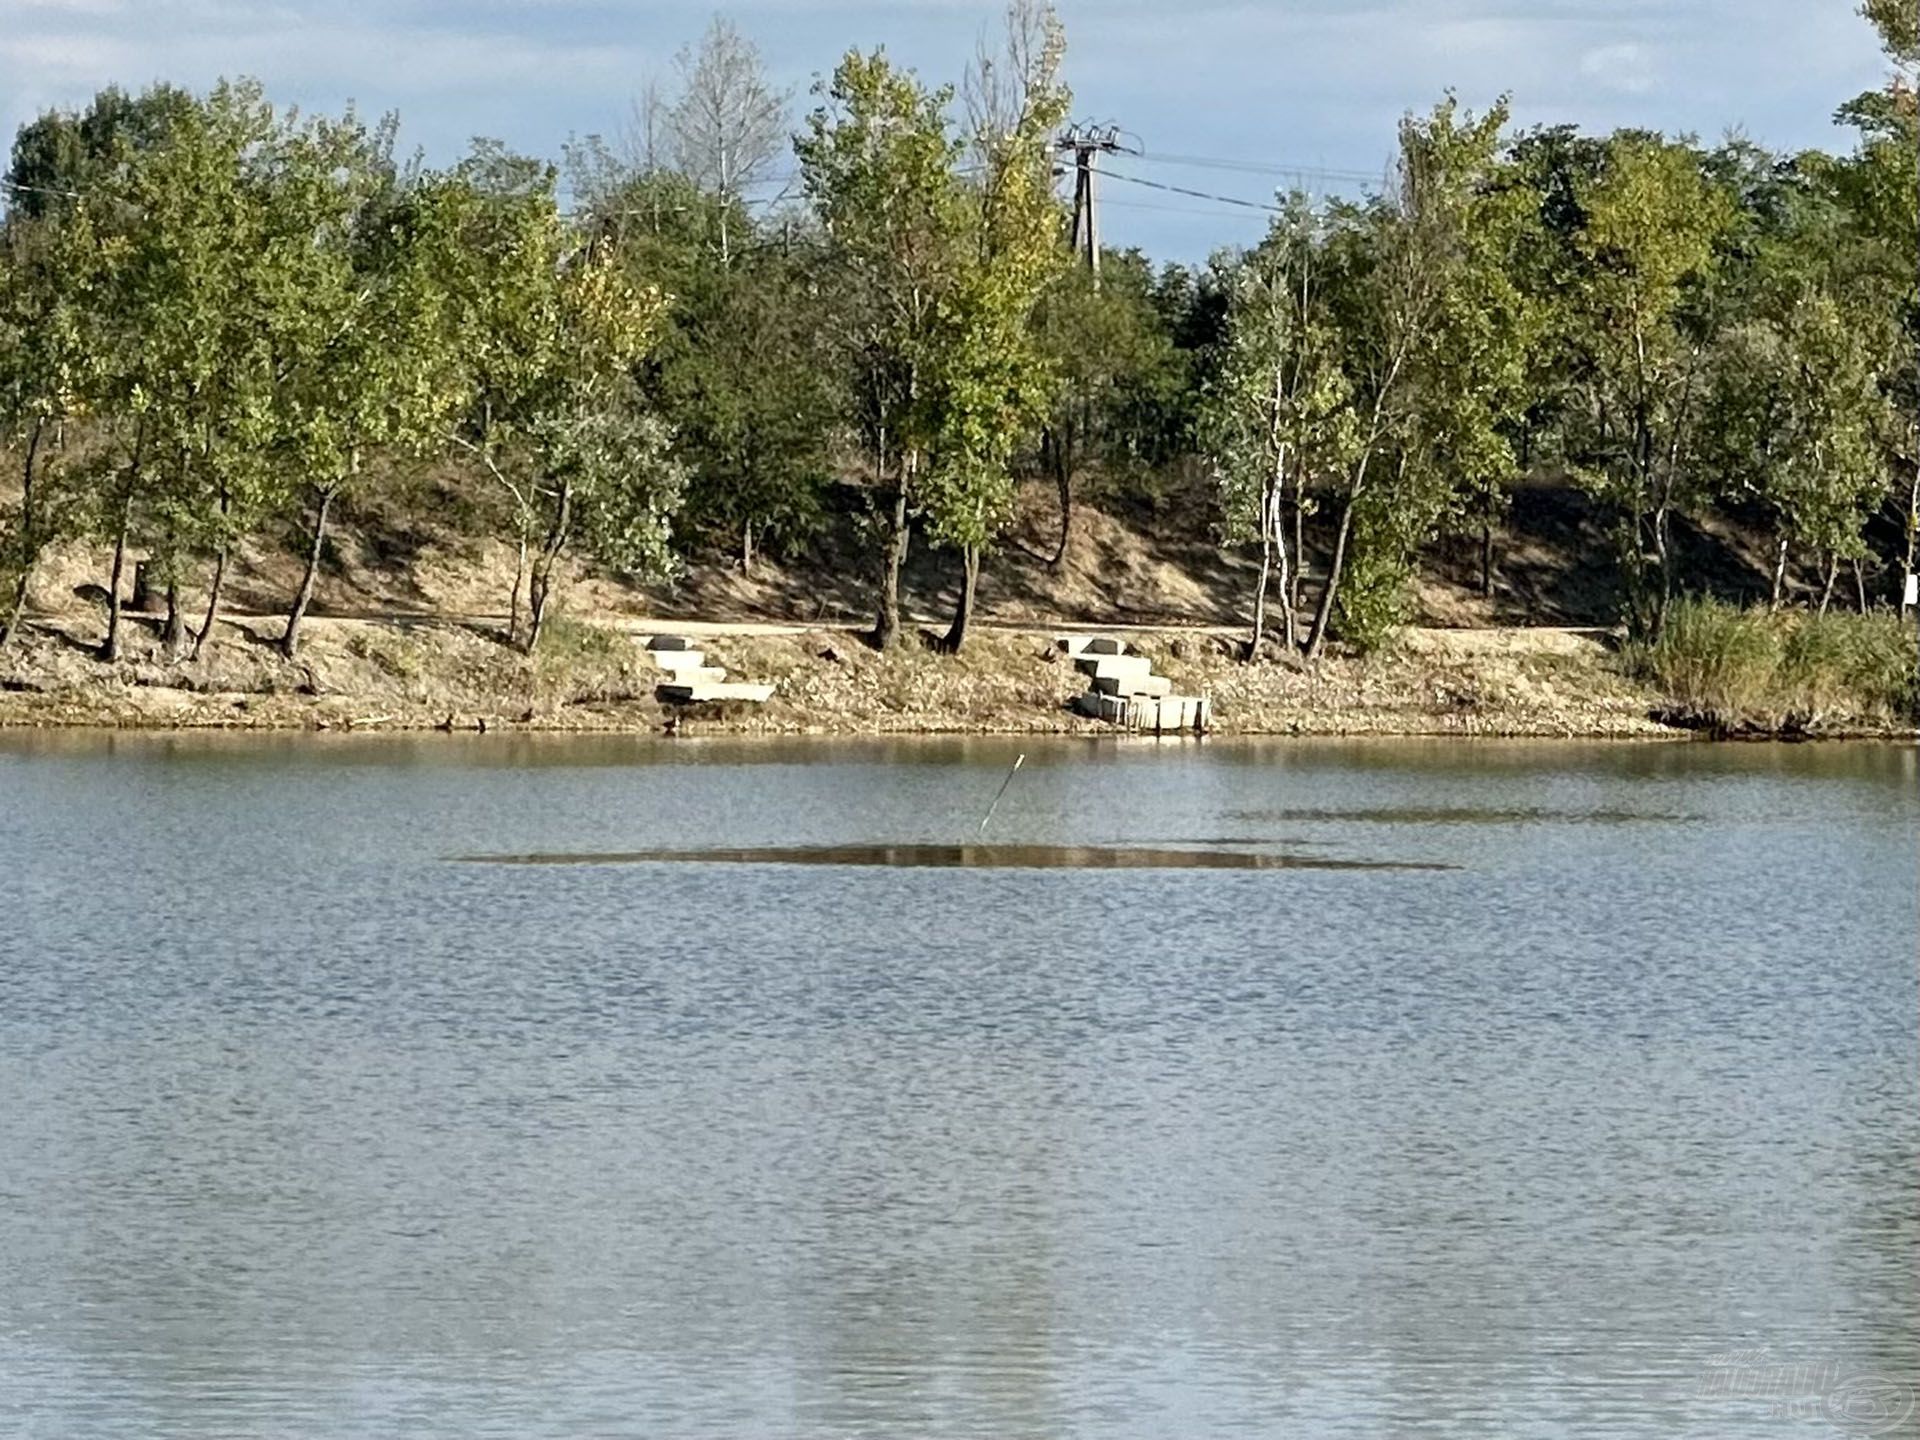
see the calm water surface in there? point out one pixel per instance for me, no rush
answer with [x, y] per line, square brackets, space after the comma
[1585, 1107]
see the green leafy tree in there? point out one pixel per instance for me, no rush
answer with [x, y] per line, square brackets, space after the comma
[1122, 402]
[44, 360]
[1278, 407]
[1402, 272]
[183, 255]
[553, 332]
[744, 376]
[1652, 222]
[877, 163]
[1796, 419]
[991, 380]
[363, 357]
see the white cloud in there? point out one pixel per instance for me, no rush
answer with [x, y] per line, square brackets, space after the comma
[1627, 68]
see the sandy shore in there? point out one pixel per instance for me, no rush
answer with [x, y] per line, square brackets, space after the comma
[398, 672]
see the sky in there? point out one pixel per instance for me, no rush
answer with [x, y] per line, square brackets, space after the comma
[1233, 99]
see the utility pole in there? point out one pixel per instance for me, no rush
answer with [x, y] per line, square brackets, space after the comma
[1085, 142]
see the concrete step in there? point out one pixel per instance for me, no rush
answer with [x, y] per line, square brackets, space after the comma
[669, 642]
[1090, 645]
[1115, 665]
[698, 675]
[707, 691]
[1133, 684]
[678, 659]
[1169, 712]
[1144, 712]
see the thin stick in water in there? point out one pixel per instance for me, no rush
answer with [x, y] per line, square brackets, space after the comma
[1003, 790]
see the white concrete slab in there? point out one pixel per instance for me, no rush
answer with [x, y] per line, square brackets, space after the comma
[1133, 684]
[1116, 665]
[708, 691]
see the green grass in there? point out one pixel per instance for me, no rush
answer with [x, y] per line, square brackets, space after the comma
[1728, 669]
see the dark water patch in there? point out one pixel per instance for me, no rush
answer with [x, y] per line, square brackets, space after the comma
[968, 857]
[1465, 815]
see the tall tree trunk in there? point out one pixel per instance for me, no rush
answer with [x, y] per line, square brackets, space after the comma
[519, 583]
[290, 638]
[1779, 574]
[1252, 651]
[1663, 552]
[174, 633]
[746, 547]
[1859, 584]
[540, 578]
[29, 537]
[1913, 527]
[213, 603]
[19, 606]
[1299, 550]
[1336, 564]
[1826, 590]
[1486, 544]
[1062, 448]
[110, 647]
[963, 609]
[893, 555]
[1273, 553]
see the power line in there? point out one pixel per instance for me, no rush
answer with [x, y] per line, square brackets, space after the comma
[1197, 194]
[1255, 167]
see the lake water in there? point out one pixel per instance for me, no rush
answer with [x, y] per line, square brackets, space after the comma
[1544, 1090]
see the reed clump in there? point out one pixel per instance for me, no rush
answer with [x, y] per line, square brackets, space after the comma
[1731, 670]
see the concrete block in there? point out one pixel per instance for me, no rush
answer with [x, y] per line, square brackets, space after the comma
[1104, 645]
[709, 691]
[1133, 684]
[669, 642]
[1115, 665]
[1170, 712]
[678, 659]
[1096, 706]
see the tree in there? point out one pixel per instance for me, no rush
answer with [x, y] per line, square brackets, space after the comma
[62, 155]
[1277, 408]
[1652, 220]
[1124, 387]
[1879, 198]
[877, 163]
[183, 257]
[729, 123]
[552, 331]
[743, 375]
[1796, 416]
[1899, 27]
[991, 381]
[1399, 271]
[606, 481]
[43, 376]
[741, 372]
[362, 350]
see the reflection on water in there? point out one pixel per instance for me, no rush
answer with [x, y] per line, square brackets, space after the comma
[1465, 815]
[1606, 1131]
[975, 857]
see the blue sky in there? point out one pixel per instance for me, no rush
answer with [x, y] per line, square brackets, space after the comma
[1306, 83]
